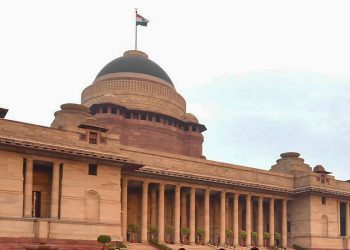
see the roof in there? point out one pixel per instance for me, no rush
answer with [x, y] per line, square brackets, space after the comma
[135, 62]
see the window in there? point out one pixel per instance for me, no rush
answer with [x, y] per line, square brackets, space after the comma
[324, 200]
[128, 115]
[92, 169]
[93, 137]
[114, 110]
[104, 109]
[343, 207]
[288, 227]
[323, 178]
[143, 116]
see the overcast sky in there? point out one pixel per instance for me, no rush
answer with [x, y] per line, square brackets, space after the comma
[265, 77]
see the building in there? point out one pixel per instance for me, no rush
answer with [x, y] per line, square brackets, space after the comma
[130, 154]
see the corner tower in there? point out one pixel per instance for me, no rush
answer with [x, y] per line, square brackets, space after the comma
[134, 98]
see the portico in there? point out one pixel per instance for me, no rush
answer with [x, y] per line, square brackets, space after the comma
[216, 210]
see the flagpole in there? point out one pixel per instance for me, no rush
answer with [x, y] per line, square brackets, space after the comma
[135, 29]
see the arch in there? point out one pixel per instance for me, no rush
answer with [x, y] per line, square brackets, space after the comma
[92, 205]
[324, 226]
[182, 248]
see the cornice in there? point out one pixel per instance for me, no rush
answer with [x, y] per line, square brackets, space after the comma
[65, 151]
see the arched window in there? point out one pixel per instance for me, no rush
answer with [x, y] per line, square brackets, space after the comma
[92, 205]
[324, 226]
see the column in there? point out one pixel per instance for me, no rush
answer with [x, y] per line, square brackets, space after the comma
[124, 208]
[193, 216]
[28, 188]
[347, 220]
[272, 222]
[284, 223]
[249, 219]
[206, 216]
[177, 215]
[261, 222]
[161, 214]
[153, 206]
[222, 218]
[144, 212]
[183, 209]
[55, 190]
[235, 219]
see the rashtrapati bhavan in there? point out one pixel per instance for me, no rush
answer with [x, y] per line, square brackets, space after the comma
[127, 162]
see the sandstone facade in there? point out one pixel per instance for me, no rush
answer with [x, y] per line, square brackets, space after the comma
[130, 154]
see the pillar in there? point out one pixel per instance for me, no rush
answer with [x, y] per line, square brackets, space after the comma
[144, 212]
[124, 208]
[285, 221]
[206, 216]
[222, 218]
[235, 219]
[261, 222]
[55, 190]
[177, 215]
[161, 213]
[153, 206]
[347, 219]
[28, 188]
[272, 222]
[183, 209]
[249, 219]
[193, 216]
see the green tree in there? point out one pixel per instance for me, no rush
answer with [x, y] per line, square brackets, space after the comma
[184, 232]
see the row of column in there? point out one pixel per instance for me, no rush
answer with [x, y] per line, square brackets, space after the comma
[206, 216]
[28, 189]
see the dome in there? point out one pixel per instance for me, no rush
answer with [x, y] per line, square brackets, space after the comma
[135, 61]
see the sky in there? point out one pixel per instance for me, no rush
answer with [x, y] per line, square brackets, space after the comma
[265, 77]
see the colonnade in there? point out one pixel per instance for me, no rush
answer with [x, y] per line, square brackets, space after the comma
[179, 201]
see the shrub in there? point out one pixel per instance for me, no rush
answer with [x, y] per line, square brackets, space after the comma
[243, 234]
[169, 230]
[184, 232]
[277, 236]
[159, 246]
[104, 239]
[267, 235]
[297, 247]
[152, 231]
[134, 228]
[254, 235]
[200, 233]
[229, 233]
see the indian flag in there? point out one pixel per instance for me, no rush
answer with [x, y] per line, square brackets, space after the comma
[140, 20]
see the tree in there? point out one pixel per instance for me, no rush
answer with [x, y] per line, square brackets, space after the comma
[152, 230]
[254, 237]
[184, 232]
[229, 234]
[200, 233]
[243, 236]
[267, 237]
[133, 228]
[169, 230]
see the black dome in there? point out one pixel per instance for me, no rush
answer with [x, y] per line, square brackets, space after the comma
[136, 62]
